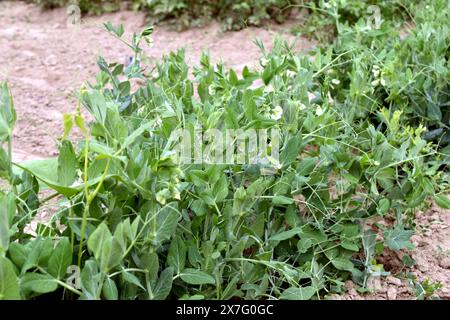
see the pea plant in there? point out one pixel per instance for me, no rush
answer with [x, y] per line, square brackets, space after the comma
[136, 223]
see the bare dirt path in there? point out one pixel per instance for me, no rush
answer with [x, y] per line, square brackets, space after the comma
[45, 62]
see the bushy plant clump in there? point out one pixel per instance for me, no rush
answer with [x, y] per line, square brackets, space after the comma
[358, 139]
[237, 14]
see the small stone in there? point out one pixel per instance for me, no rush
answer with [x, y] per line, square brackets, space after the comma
[422, 264]
[423, 243]
[433, 217]
[394, 280]
[374, 283]
[445, 263]
[392, 293]
[415, 239]
[350, 288]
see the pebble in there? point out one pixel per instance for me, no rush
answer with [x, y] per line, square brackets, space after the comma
[350, 287]
[374, 283]
[394, 280]
[391, 293]
[415, 239]
[445, 262]
[422, 264]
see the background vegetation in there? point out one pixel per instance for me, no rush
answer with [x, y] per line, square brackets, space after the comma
[237, 14]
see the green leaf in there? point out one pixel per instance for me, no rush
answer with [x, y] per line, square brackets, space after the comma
[131, 278]
[150, 262]
[442, 201]
[117, 30]
[7, 112]
[110, 290]
[105, 249]
[67, 164]
[282, 200]
[199, 207]
[291, 150]
[9, 284]
[18, 254]
[220, 189]
[369, 243]
[8, 204]
[177, 254]
[398, 238]
[41, 249]
[46, 171]
[4, 225]
[346, 244]
[98, 240]
[316, 236]
[306, 166]
[342, 264]
[166, 222]
[164, 285]
[60, 259]
[68, 125]
[434, 112]
[137, 133]
[196, 277]
[298, 293]
[38, 283]
[304, 244]
[90, 281]
[285, 234]
[383, 206]
[408, 261]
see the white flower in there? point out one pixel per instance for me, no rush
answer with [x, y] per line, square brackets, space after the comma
[376, 71]
[155, 75]
[375, 83]
[330, 98]
[268, 88]
[335, 81]
[277, 112]
[263, 62]
[319, 111]
[311, 96]
[291, 74]
[211, 90]
[297, 105]
[383, 83]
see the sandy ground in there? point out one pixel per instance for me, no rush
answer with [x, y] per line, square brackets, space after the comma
[45, 62]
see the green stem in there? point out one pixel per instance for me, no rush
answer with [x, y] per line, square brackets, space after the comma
[86, 208]
[89, 199]
[14, 188]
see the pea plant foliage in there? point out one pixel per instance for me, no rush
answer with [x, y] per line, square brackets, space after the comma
[133, 222]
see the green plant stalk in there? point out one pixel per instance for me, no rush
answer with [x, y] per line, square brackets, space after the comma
[86, 208]
[89, 198]
[14, 188]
